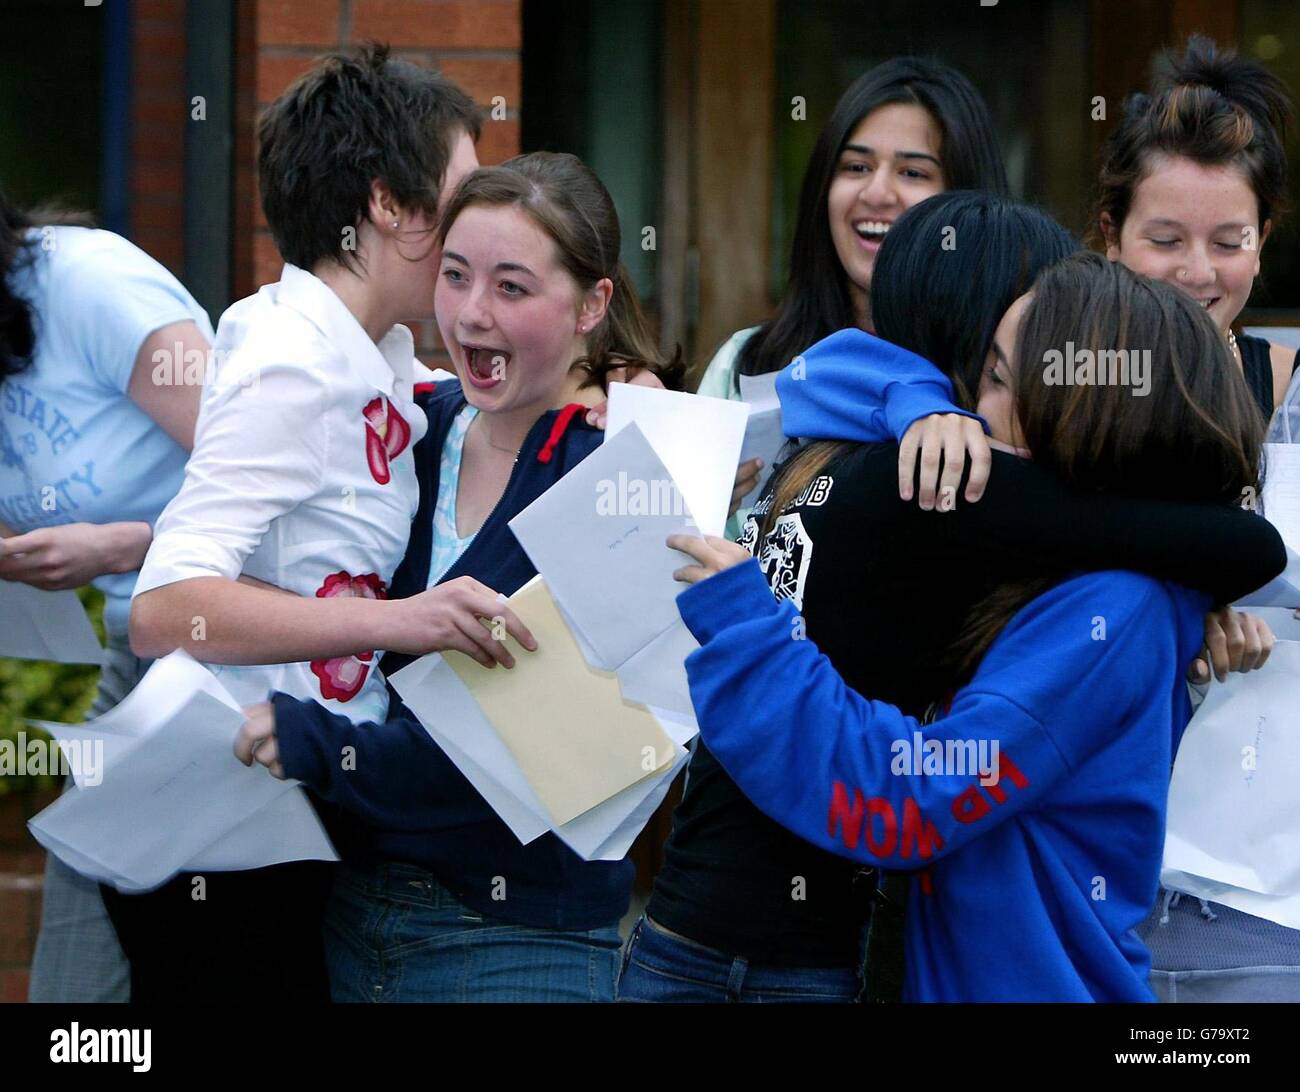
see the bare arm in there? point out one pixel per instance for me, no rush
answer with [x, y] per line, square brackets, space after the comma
[224, 621]
[70, 555]
[173, 407]
[1283, 359]
[249, 622]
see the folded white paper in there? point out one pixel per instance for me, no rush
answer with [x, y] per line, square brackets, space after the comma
[45, 625]
[1233, 820]
[598, 536]
[697, 438]
[173, 797]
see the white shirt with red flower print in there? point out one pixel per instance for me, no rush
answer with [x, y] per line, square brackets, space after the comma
[301, 475]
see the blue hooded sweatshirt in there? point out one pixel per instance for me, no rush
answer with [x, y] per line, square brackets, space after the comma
[1033, 811]
[856, 386]
[1036, 872]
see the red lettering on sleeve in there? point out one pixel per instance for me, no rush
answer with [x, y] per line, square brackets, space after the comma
[918, 831]
[878, 805]
[845, 816]
[1006, 769]
[970, 806]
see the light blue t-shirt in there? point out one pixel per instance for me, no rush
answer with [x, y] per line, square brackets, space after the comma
[447, 543]
[73, 447]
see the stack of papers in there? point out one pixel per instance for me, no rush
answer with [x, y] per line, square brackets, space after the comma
[584, 737]
[173, 797]
[45, 625]
[1233, 835]
[698, 440]
[599, 538]
[550, 744]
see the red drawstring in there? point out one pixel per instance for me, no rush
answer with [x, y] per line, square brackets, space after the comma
[557, 430]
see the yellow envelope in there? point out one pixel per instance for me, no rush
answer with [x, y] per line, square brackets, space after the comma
[576, 740]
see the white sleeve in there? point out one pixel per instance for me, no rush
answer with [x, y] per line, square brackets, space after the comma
[260, 449]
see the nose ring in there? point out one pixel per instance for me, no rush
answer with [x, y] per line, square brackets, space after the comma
[1182, 274]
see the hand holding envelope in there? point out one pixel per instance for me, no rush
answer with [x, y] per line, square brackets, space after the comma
[551, 744]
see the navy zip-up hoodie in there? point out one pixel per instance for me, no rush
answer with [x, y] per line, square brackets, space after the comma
[403, 799]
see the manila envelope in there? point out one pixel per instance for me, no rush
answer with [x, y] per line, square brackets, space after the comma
[576, 740]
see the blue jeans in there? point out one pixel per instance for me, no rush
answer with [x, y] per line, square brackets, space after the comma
[658, 966]
[393, 933]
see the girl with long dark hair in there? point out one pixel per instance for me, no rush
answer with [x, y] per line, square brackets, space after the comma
[908, 129]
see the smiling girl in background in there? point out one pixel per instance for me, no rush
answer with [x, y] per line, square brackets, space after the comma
[1193, 183]
[906, 130]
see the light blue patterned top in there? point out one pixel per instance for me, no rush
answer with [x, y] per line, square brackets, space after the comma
[447, 544]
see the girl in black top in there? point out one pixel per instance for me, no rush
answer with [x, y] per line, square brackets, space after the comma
[742, 901]
[1193, 182]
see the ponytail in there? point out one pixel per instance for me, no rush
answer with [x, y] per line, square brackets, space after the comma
[623, 340]
[1210, 106]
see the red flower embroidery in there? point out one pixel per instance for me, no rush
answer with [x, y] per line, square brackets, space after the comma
[387, 435]
[343, 677]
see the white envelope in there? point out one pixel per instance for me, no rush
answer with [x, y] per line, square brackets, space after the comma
[451, 716]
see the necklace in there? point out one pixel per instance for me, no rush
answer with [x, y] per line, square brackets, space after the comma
[508, 451]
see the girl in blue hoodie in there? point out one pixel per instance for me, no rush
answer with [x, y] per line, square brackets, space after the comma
[743, 909]
[1033, 809]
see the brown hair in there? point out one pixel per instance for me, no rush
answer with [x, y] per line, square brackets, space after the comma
[1195, 435]
[568, 202]
[355, 116]
[1210, 106]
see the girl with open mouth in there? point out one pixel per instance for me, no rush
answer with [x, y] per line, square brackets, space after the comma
[446, 905]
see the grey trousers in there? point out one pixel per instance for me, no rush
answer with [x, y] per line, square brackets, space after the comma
[77, 955]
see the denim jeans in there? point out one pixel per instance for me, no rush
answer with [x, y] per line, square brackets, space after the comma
[78, 957]
[393, 933]
[658, 966]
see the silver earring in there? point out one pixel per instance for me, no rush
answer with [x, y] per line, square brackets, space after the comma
[394, 223]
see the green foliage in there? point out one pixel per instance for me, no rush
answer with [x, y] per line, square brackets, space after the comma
[46, 691]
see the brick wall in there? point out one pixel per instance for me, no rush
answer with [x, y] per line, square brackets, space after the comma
[474, 42]
[21, 865]
[158, 115]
